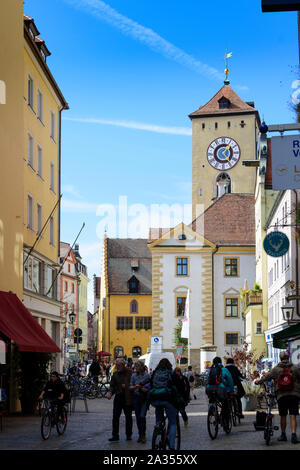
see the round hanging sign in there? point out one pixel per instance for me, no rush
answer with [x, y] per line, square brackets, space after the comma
[276, 244]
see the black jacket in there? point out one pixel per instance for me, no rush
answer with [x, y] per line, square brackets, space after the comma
[236, 377]
[183, 387]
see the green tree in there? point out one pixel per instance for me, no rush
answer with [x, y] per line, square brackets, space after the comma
[178, 341]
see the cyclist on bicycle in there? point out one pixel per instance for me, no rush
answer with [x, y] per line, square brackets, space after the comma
[55, 390]
[219, 382]
[236, 377]
[162, 396]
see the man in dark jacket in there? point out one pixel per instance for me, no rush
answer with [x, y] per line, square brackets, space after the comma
[94, 370]
[288, 400]
[236, 377]
[119, 386]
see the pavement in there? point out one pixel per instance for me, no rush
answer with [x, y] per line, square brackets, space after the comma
[89, 431]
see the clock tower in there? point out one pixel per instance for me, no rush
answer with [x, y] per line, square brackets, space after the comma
[225, 132]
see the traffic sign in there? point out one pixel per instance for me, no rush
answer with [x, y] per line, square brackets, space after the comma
[285, 162]
[276, 244]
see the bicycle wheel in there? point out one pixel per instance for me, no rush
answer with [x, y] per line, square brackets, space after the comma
[232, 413]
[268, 431]
[158, 439]
[226, 421]
[61, 421]
[212, 421]
[46, 424]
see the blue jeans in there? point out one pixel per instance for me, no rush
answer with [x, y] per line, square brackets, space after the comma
[140, 409]
[171, 413]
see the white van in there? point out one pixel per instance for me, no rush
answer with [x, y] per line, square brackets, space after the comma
[151, 360]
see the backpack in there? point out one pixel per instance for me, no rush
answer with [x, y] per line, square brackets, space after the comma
[215, 376]
[285, 381]
[191, 378]
[161, 384]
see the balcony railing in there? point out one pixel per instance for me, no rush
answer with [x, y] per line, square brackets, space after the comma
[251, 298]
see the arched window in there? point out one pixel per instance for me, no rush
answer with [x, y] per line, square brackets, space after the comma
[136, 351]
[134, 306]
[118, 352]
[223, 184]
[133, 285]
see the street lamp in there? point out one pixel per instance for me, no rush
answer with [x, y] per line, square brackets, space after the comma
[288, 314]
[72, 317]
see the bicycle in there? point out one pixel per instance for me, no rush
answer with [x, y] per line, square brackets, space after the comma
[234, 409]
[160, 436]
[268, 426]
[51, 418]
[216, 416]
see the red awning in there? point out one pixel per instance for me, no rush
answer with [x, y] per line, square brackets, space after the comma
[17, 323]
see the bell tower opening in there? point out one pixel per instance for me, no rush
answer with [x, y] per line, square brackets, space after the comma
[223, 184]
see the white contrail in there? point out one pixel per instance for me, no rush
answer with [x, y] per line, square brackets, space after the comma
[135, 125]
[147, 36]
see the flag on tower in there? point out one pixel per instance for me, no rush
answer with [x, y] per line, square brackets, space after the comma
[185, 330]
[228, 55]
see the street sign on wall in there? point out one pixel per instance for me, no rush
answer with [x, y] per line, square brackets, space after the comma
[285, 162]
[156, 344]
[276, 244]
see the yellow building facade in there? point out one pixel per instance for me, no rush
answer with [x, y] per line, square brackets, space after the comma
[11, 147]
[43, 104]
[125, 317]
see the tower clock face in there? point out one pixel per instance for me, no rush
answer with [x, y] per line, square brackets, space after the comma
[223, 153]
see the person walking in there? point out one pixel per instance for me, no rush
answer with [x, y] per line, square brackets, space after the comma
[183, 387]
[119, 387]
[287, 378]
[161, 396]
[191, 379]
[94, 370]
[236, 377]
[138, 386]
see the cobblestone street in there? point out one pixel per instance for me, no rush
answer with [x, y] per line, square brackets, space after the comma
[90, 431]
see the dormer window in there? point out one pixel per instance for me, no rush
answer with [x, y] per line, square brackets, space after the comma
[224, 103]
[182, 237]
[31, 33]
[133, 285]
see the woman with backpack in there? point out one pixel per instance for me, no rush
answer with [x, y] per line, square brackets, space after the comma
[162, 396]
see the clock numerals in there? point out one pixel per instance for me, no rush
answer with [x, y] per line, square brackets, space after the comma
[223, 153]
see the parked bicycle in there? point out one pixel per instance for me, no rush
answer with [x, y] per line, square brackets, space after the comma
[160, 436]
[216, 416]
[266, 418]
[52, 417]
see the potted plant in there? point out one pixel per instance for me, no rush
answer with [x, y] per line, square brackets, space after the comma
[249, 400]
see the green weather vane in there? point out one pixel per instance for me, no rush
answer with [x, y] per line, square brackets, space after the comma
[226, 71]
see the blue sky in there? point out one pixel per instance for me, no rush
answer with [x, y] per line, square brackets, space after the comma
[132, 71]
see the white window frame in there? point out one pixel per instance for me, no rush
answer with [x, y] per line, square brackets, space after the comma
[39, 218]
[39, 161]
[40, 99]
[30, 156]
[52, 177]
[29, 211]
[52, 125]
[30, 91]
[52, 230]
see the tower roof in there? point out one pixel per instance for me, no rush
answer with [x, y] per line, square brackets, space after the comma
[235, 104]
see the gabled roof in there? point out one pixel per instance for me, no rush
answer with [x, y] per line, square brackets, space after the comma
[230, 220]
[120, 253]
[172, 233]
[237, 105]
